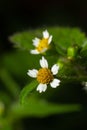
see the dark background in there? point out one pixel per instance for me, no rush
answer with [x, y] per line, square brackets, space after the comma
[17, 15]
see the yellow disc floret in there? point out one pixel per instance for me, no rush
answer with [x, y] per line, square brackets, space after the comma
[44, 76]
[43, 45]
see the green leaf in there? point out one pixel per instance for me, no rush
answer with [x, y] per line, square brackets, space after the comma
[66, 37]
[35, 107]
[4, 124]
[62, 38]
[26, 91]
[84, 49]
[84, 45]
[24, 39]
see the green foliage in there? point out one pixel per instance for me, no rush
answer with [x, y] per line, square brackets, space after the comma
[27, 90]
[62, 38]
[69, 51]
[84, 50]
[23, 39]
[40, 108]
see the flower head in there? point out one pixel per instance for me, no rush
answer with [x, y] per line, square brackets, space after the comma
[45, 75]
[41, 45]
[85, 85]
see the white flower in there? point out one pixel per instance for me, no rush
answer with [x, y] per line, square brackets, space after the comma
[45, 75]
[85, 85]
[41, 45]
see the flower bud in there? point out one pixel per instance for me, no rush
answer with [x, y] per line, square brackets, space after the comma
[71, 52]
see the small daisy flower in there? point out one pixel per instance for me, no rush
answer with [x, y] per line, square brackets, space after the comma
[45, 75]
[85, 85]
[41, 45]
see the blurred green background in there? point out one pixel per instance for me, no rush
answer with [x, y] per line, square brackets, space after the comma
[21, 15]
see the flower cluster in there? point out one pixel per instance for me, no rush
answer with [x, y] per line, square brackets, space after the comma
[44, 75]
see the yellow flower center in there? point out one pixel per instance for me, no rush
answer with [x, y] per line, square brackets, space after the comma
[43, 44]
[44, 76]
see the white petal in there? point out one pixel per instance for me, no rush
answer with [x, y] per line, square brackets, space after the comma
[85, 85]
[34, 51]
[55, 69]
[43, 63]
[50, 39]
[45, 34]
[55, 83]
[32, 73]
[85, 88]
[36, 42]
[41, 87]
